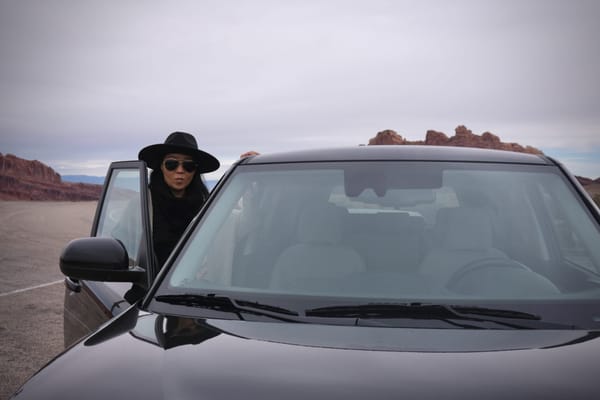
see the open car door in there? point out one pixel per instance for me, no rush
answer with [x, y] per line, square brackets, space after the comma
[123, 213]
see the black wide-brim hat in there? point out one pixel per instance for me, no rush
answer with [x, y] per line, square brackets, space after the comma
[182, 143]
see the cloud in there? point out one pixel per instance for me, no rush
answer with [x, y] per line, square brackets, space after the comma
[93, 80]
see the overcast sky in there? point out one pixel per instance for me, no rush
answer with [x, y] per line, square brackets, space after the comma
[86, 82]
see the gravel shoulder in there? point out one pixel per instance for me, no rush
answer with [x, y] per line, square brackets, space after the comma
[32, 236]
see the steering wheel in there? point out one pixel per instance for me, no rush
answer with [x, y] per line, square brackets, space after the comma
[478, 265]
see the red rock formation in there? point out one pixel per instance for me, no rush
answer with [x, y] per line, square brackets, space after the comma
[584, 181]
[435, 138]
[32, 180]
[463, 137]
[387, 137]
[14, 166]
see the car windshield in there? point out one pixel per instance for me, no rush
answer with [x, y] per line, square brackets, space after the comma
[394, 232]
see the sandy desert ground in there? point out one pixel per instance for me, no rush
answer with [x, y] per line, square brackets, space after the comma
[32, 236]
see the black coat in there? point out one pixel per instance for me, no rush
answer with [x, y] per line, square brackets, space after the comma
[170, 214]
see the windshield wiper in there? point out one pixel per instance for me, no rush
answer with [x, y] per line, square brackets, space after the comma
[470, 316]
[226, 304]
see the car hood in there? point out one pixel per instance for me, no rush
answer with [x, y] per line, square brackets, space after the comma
[154, 356]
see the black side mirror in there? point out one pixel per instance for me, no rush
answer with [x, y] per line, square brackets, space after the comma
[100, 259]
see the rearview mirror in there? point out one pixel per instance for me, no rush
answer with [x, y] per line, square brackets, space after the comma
[390, 176]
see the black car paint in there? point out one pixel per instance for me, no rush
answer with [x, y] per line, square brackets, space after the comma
[89, 304]
[156, 356]
[165, 356]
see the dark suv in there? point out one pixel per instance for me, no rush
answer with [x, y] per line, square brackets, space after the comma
[360, 273]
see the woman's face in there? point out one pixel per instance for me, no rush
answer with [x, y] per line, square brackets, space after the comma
[177, 179]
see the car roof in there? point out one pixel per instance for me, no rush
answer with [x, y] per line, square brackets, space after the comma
[400, 153]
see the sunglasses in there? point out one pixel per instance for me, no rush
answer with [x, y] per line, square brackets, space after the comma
[172, 164]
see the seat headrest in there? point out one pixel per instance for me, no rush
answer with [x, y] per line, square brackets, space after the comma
[391, 222]
[320, 224]
[465, 228]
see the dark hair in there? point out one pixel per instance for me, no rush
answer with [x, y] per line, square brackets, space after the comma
[171, 215]
[196, 188]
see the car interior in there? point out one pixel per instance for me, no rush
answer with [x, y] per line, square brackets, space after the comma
[463, 231]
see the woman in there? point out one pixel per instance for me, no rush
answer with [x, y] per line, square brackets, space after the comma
[176, 186]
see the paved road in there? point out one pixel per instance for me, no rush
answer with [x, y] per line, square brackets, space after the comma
[32, 235]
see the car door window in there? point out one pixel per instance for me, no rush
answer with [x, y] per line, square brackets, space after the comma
[572, 227]
[123, 212]
[120, 217]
